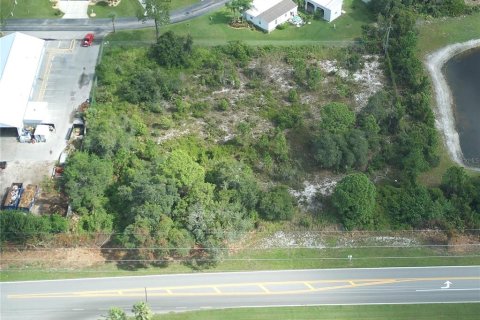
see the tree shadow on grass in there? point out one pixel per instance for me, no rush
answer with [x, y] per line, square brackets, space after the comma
[220, 17]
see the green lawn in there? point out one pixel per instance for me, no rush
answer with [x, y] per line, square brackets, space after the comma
[29, 9]
[177, 4]
[464, 311]
[441, 32]
[126, 8]
[213, 29]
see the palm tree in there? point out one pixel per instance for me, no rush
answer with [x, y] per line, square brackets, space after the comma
[113, 16]
[239, 6]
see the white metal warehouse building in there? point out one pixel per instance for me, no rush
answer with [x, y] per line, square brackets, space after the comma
[268, 14]
[20, 60]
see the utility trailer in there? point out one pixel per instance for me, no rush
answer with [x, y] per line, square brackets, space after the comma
[13, 196]
[28, 197]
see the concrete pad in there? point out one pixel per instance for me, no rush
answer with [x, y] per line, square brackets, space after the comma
[74, 9]
[64, 82]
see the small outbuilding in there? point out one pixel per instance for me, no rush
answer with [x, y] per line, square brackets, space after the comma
[328, 9]
[268, 14]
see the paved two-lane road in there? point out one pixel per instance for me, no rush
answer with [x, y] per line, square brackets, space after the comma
[105, 25]
[90, 298]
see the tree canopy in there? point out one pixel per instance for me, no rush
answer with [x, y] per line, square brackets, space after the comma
[354, 201]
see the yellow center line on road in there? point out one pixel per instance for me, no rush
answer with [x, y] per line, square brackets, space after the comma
[216, 289]
[309, 286]
[261, 286]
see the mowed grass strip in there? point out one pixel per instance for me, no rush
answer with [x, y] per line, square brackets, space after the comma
[464, 311]
[129, 8]
[441, 32]
[178, 4]
[250, 260]
[28, 9]
[213, 29]
[126, 8]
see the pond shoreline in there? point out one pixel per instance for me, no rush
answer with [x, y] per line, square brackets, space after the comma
[444, 115]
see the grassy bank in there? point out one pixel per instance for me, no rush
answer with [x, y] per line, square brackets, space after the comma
[271, 259]
[433, 35]
[213, 29]
[391, 312]
[28, 9]
[438, 33]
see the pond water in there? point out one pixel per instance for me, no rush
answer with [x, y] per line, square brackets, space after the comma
[463, 76]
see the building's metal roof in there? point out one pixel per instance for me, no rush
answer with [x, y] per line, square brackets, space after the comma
[20, 58]
[277, 10]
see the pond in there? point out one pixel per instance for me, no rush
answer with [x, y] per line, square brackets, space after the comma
[463, 76]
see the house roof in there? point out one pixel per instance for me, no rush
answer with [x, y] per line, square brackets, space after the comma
[269, 10]
[277, 10]
[327, 3]
[20, 57]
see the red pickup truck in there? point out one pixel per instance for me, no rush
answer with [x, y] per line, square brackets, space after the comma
[87, 40]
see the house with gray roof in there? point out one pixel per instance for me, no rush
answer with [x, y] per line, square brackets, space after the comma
[268, 14]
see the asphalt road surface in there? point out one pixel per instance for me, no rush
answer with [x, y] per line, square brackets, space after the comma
[99, 25]
[91, 298]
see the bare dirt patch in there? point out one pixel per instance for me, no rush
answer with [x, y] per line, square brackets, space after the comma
[59, 258]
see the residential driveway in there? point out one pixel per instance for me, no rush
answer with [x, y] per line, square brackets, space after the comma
[65, 80]
[74, 9]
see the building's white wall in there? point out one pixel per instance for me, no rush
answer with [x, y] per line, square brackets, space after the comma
[331, 13]
[269, 27]
[334, 12]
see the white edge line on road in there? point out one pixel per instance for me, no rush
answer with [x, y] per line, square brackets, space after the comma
[445, 290]
[232, 272]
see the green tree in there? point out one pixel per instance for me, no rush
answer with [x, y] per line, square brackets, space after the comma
[158, 11]
[172, 50]
[238, 7]
[336, 118]
[113, 17]
[116, 314]
[276, 204]
[142, 311]
[326, 151]
[354, 200]
[456, 182]
[86, 178]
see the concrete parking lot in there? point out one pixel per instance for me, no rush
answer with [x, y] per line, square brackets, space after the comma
[64, 81]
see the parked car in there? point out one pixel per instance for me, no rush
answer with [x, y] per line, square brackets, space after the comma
[88, 40]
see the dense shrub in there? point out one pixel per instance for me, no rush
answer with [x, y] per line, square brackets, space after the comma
[18, 226]
[276, 204]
